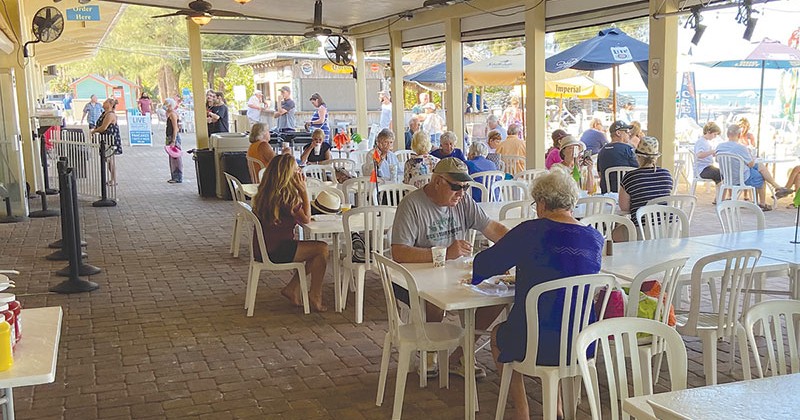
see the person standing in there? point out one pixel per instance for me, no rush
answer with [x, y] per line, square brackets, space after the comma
[419, 108]
[144, 104]
[92, 112]
[433, 124]
[173, 139]
[254, 107]
[285, 115]
[107, 124]
[68, 108]
[386, 110]
[320, 118]
[217, 114]
[493, 124]
[616, 153]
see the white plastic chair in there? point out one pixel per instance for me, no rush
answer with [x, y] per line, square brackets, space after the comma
[508, 190]
[420, 181]
[710, 327]
[488, 179]
[346, 164]
[411, 336]
[581, 289]
[391, 194]
[267, 264]
[261, 174]
[529, 175]
[772, 317]
[512, 164]
[403, 155]
[606, 223]
[359, 157]
[484, 192]
[321, 172]
[619, 172]
[313, 182]
[730, 214]
[371, 223]
[522, 209]
[696, 176]
[596, 205]
[255, 166]
[616, 338]
[685, 202]
[733, 169]
[657, 222]
[238, 196]
[682, 159]
[360, 187]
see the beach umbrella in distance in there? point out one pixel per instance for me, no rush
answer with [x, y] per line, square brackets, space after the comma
[434, 74]
[768, 54]
[610, 48]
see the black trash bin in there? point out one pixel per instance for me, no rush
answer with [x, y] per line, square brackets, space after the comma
[235, 163]
[206, 172]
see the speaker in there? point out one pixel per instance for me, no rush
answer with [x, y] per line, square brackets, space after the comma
[51, 71]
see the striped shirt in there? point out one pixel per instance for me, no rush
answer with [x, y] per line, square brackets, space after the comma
[644, 184]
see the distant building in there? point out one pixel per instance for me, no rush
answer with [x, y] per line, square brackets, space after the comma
[124, 90]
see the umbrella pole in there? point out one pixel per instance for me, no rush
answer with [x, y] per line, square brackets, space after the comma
[760, 108]
[614, 93]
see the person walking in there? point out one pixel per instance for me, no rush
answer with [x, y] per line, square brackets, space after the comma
[386, 110]
[68, 108]
[173, 142]
[92, 112]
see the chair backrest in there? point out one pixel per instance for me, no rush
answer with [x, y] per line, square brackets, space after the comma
[254, 166]
[251, 218]
[391, 194]
[685, 202]
[314, 182]
[374, 129]
[730, 214]
[667, 273]
[388, 269]
[419, 181]
[341, 163]
[526, 210]
[508, 190]
[618, 172]
[403, 155]
[484, 191]
[529, 175]
[735, 281]
[596, 205]
[371, 222]
[359, 157]
[622, 332]
[578, 295]
[261, 174]
[606, 223]
[235, 187]
[488, 179]
[774, 316]
[360, 187]
[657, 222]
[320, 172]
[513, 164]
[314, 191]
[733, 169]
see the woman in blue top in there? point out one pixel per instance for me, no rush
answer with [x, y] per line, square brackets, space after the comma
[320, 117]
[477, 162]
[554, 246]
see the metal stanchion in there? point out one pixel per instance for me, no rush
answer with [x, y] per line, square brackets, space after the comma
[60, 243]
[74, 284]
[9, 217]
[43, 154]
[63, 253]
[104, 201]
[84, 269]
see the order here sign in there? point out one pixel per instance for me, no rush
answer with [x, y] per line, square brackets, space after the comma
[84, 13]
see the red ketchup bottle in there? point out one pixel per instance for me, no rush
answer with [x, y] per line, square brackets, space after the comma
[9, 317]
[15, 307]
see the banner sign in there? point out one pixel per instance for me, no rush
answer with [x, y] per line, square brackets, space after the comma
[140, 130]
[84, 13]
[687, 99]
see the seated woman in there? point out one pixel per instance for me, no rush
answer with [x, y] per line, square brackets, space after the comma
[448, 148]
[281, 203]
[554, 153]
[477, 162]
[704, 155]
[259, 147]
[493, 140]
[422, 162]
[643, 184]
[318, 150]
[636, 134]
[551, 247]
[570, 151]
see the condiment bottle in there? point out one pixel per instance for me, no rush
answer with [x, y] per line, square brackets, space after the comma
[8, 316]
[6, 355]
[15, 307]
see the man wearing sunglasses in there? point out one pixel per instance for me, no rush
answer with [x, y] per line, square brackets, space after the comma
[616, 153]
[441, 214]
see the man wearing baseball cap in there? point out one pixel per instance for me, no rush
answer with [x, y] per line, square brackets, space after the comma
[285, 115]
[616, 153]
[441, 214]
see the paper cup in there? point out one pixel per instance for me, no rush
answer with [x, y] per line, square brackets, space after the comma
[439, 256]
[317, 149]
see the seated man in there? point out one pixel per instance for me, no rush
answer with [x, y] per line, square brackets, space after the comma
[616, 153]
[513, 146]
[386, 159]
[441, 214]
[447, 147]
[757, 174]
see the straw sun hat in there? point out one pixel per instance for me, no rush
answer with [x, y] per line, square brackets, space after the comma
[327, 203]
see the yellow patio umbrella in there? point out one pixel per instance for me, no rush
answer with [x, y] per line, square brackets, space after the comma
[581, 87]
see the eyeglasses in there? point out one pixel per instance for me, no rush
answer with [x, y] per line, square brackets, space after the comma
[457, 187]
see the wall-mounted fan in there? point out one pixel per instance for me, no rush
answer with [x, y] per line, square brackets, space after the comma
[47, 25]
[316, 28]
[339, 51]
[200, 9]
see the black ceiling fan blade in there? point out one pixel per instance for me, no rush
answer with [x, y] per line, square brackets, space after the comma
[225, 13]
[182, 12]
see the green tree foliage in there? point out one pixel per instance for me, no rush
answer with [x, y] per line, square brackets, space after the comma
[237, 76]
[59, 85]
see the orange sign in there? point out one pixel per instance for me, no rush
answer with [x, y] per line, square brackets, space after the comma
[375, 67]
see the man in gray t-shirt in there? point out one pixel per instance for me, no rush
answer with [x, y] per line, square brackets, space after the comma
[440, 214]
[285, 114]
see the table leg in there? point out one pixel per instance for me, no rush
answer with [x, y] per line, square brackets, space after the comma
[337, 278]
[7, 404]
[470, 388]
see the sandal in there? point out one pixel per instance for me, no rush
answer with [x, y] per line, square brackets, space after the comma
[782, 192]
[765, 207]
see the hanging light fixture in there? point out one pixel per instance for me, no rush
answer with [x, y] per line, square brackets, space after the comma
[694, 22]
[745, 16]
[242, 1]
[201, 20]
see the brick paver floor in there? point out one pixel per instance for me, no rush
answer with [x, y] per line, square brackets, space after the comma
[166, 334]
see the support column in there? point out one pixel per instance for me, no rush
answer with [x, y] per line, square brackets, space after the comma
[535, 124]
[662, 80]
[398, 100]
[362, 120]
[454, 96]
[198, 83]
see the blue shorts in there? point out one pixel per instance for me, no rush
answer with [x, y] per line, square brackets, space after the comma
[756, 179]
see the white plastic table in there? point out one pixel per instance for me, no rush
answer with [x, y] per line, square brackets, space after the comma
[442, 287]
[769, 398]
[774, 244]
[35, 355]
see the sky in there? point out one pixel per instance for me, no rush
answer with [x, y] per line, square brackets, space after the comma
[723, 40]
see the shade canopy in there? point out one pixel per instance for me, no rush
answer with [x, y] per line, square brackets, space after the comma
[500, 70]
[581, 87]
[769, 54]
[433, 74]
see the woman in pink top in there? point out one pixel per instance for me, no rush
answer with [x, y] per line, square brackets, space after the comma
[554, 155]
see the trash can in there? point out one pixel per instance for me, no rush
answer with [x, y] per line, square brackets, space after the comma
[206, 172]
[235, 163]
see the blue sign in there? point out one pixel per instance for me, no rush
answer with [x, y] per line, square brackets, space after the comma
[140, 130]
[84, 13]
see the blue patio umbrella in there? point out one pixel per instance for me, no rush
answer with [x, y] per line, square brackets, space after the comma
[433, 74]
[768, 54]
[610, 48]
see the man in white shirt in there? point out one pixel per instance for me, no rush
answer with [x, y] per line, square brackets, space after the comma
[254, 107]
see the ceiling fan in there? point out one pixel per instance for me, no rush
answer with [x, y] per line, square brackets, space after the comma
[201, 12]
[316, 28]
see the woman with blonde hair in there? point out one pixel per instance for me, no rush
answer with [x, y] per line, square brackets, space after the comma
[281, 203]
[636, 134]
[173, 139]
[107, 124]
[746, 137]
[422, 162]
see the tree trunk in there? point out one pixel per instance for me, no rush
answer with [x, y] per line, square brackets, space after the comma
[223, 72]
